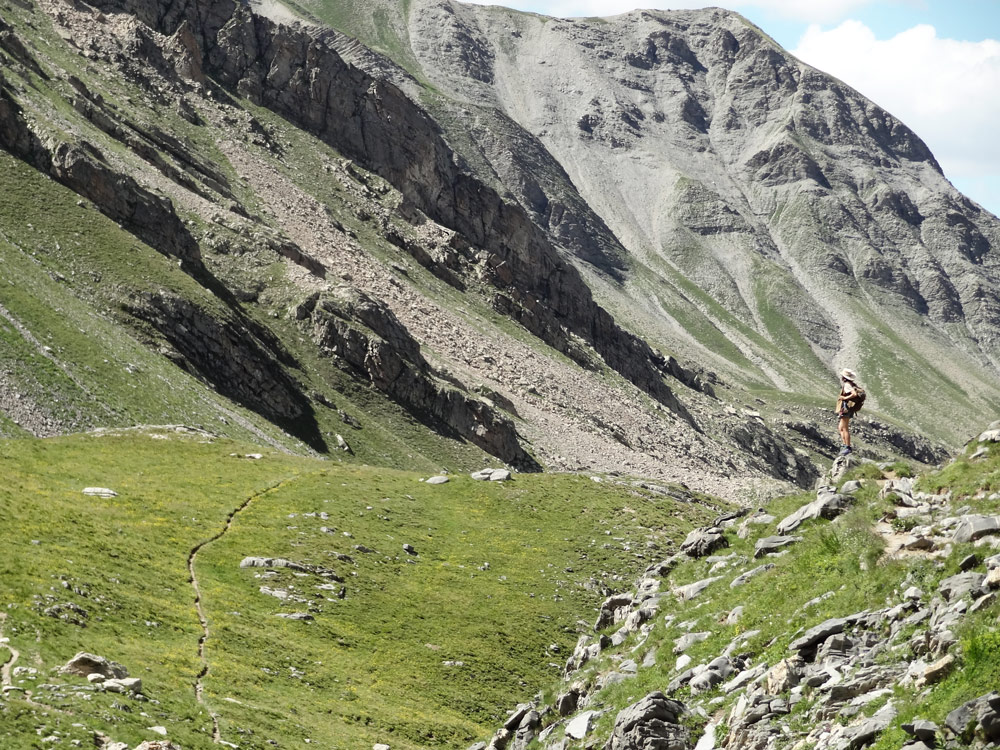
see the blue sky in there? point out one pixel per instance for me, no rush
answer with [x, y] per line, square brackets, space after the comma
[933, 64]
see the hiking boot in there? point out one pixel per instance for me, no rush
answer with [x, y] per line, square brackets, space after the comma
[845, 450]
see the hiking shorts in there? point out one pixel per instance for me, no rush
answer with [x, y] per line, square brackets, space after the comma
[845, 414]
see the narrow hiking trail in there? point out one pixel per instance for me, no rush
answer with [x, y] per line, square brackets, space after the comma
[14, 656]
[199, 687]
[6, 672]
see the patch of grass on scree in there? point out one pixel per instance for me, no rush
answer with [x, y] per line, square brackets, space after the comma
[424, 650]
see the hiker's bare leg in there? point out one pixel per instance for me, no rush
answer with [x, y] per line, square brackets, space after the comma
[844, 428]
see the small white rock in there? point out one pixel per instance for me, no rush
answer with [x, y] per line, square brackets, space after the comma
[99, 492]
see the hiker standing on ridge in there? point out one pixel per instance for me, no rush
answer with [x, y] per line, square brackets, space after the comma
[851, 397]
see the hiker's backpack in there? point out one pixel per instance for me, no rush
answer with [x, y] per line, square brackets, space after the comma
[856, 400]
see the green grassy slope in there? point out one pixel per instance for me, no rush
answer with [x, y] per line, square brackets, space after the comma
[424, 650]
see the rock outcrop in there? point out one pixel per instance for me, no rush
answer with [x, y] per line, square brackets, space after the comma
[776, 191]
[367, 337]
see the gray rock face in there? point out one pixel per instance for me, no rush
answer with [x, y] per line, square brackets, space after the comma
[761, 163]
[962, 584]
[365, 334]
[701, 542]
[819, 633]
[237, 359]
[652, 722]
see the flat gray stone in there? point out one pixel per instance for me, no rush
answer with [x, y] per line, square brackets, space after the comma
[770, 544]
[971, 528]
[687, 640]
[437, 480]
[580, 725]
[694, 589]
[741, 579]
[957, 586]
[99, 492]
[819, 633]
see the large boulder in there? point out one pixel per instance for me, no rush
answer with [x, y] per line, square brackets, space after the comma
[652, 723]
[701, 542]
[971, 528]
[84, 664]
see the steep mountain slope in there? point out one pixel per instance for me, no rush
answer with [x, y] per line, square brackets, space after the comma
[732, 203]
[328, 259]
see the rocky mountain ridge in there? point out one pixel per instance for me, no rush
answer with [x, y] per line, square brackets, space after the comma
[401, 201]
[760, 212]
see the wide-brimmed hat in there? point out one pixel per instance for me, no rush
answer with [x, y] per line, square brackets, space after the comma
[848, 375]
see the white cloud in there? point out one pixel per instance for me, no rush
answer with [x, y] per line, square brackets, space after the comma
[945, 90]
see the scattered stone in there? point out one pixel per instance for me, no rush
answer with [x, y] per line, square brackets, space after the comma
[580, 726]
[123, 685]
[827, 505]
[437, 480]
[408, 549]
[491, 475]
[758, 518]
[971, 528]
[687, 640]
[99, 492]
[692, 590]
[614, 609]
[278, 562]
[701, 542]
[276, 593]
[567, 702]
[968, 562]
[69, 612]
[819, 633]
[959, 585]
[771, 544]
[922, 730]
[743, 578]
[343, 445]
[85, 664]
[939, 669]
[992, 579]
[785, 675]
[295, 616]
